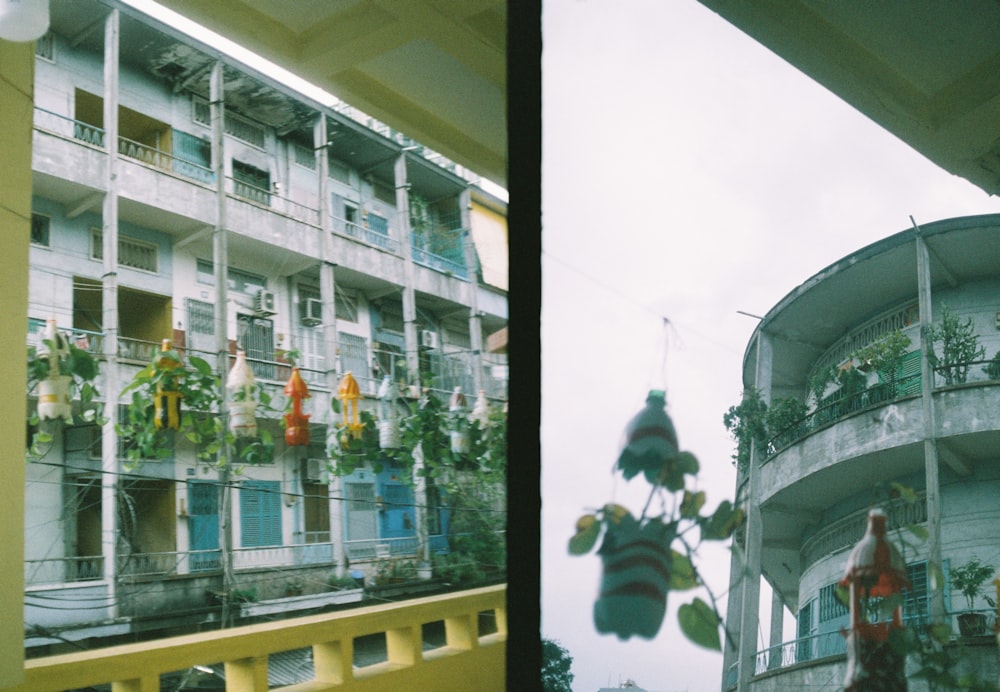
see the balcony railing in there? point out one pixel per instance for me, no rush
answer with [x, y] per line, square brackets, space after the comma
[366, 235]
[441, 264]
[63, 570]
[375, 548]
[472, 658]
[977, 372]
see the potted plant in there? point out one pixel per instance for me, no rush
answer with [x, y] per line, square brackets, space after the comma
[969, 579]
[959, 347]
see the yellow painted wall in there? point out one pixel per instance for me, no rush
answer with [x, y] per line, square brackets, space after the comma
[489, 233]
[17, 66]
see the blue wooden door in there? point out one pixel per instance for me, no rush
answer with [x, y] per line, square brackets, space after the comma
[203, 525]
[397, 516]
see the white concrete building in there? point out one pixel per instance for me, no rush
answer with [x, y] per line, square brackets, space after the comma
[346, 245]
[908, 423]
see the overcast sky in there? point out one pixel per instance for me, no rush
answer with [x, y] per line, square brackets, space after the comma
[687, 173]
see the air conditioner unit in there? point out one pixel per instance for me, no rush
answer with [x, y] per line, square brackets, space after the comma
[316, 470]
[264, 302]
[428, 339]
[313, 312]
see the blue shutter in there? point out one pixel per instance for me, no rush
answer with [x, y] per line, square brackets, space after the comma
[260, 513]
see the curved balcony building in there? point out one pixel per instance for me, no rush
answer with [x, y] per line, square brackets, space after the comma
[869, 427]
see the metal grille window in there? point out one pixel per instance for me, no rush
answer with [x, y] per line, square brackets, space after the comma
[378, 223]
[238, 280]
[40, 229]
[915, 600]
[303, 156]
[133, 253]
[45, 47]
[260, 513]
[347, 306]
[251, 183]
[235, 125]
[339, 171]
[256, 338]
[830, 607]
[353, 352]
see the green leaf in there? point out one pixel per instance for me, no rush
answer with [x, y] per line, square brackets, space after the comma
[722, 523]
[700, 624]
[682, 576]
[588, 529]
[918, 531]
[692, 503]
[905, 492]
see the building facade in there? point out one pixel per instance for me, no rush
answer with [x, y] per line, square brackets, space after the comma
[160, 165]
[871, 423]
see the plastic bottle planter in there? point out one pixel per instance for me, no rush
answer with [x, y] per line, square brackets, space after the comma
[242, 418]
[875, 577]
[635, 578]
[53, 398]
[459, 432]
[650, 443]
[296, 422]
[53, 391]
[388, 428]
[167, 401]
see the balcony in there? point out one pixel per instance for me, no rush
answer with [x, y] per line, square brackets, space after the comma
[471, 658]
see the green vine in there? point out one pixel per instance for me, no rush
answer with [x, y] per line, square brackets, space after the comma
[82, 369]
[200, 423]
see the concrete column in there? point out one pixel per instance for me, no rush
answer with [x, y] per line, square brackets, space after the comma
[17, 69]
[777, 629]
[933, 486]
[220, 259]
[750, 598]
[328, 292]
[409, 291]
[109, 316]
[475, 322]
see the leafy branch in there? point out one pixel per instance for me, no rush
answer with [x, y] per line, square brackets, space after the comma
[645, 558]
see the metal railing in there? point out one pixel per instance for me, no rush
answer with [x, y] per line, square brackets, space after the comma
[472, 658]
[439, 263]
[60, 570]
[977, 372]
[366, 235]
[375, 548]
[804, 649]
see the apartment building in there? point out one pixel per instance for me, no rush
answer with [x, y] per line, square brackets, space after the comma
[870, 422]
[160, 165]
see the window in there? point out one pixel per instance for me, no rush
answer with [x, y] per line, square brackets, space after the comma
[377, 223]
[238, 280]
[338, 171]
[915, 600]
[137, 254]
[353, 355]
[251, 183]
[260, 513]
[830, 607]
[384, 192]
[45, 47]
[193, 157]
[236, 125]
[40, 230]
[303, 156]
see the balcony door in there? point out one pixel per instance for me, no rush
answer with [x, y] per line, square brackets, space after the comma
[203, 525]
[361, 522]
[256, 338]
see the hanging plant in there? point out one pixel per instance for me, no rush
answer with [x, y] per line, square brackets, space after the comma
[200, 390]
[59, 372]
[645, 558]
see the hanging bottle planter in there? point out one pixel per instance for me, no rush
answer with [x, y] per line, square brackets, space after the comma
[459, 424]
[481, 409]
[296, 422]
[635, 577]
[349, 393]
[650, 443]
[242, 406]
[53, 391]
[388, 426]
[875, 578]
[167, 398]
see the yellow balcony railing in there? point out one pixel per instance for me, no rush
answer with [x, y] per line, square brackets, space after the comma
[469, 660]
